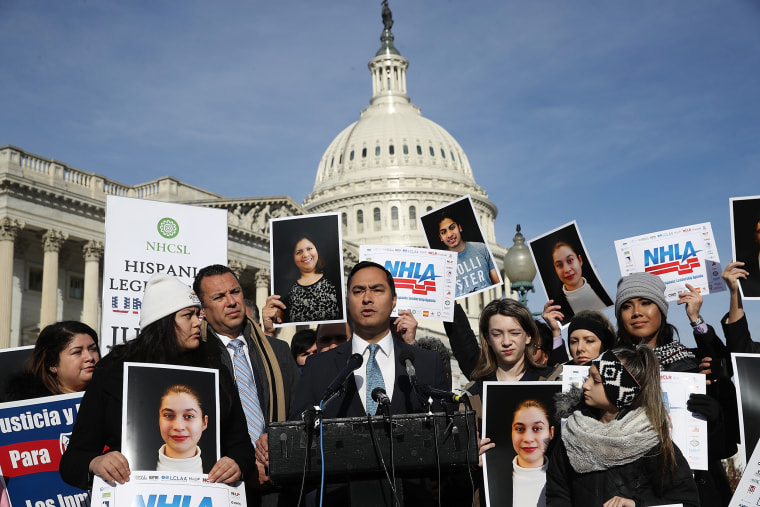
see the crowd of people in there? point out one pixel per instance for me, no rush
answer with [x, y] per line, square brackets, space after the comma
[614, 450]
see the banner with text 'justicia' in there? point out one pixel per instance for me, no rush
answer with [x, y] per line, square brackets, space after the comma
[33, 436]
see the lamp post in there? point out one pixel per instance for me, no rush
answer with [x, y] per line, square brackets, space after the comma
[519, 267]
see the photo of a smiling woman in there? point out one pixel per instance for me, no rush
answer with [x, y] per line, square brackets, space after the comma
[306, 268]
[532, 432]
[181, 421]
[567, 274]
[519, 431]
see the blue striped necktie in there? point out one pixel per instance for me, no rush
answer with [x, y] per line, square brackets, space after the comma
[374, 378]
[249, 397]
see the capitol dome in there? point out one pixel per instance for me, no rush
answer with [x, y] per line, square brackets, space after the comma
[392, 165]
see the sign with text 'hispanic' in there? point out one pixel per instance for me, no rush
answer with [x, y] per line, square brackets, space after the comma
[678, 256]
[148, 237]
[167, 489]
[425, 279]
[33, 436]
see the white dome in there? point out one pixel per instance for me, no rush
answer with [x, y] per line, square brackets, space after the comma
[392, 165]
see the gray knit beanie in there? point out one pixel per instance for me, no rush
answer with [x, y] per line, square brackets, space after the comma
[641, 285]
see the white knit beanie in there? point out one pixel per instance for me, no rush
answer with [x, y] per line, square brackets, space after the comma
[165, 295]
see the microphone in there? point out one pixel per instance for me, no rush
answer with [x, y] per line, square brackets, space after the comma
[406, 358]
[353, 363]
[380, 396]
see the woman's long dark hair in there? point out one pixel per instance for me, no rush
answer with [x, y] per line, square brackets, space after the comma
[47, 351]
[645, 368]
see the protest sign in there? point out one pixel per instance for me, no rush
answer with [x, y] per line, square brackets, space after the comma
[747, 492]
[307, 268]
[567, 273]
[455, 227]
[573, 376]
[12, 362]
[745, 242]
[156, 489]
[509, 409]
[678, 256]
[688, 432]
[33, 436]
[425, 279]
[156, 396]
[747, 380]
[146, 237]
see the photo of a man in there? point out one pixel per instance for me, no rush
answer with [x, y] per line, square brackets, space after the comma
[454, 227]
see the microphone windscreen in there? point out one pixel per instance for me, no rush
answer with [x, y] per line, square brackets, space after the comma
[406, 354]
[355, 361]
[376, 392]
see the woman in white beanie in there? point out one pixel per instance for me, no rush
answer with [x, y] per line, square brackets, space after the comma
[169, 334]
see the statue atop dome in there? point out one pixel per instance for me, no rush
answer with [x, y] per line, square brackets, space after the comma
[386, 38]
[387, 16]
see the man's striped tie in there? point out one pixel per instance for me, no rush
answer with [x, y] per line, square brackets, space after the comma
[249, 397]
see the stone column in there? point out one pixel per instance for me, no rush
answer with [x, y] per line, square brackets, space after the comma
[262, 287]
[237, 267]
[9, 229]
[52, 241]
[93, 252]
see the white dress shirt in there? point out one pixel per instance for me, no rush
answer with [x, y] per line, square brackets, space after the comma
[385, 360]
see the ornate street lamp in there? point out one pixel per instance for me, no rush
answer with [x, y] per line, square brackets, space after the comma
[519, 267]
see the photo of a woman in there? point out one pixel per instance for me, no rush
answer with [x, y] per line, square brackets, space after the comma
[571, 282]
[181, 421]
[518, 435]
[307, 270]
[568, 264]
[531, 434]
[312, 297]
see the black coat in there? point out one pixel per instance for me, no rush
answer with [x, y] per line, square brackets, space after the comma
[637, 480]
[320, 370]
[99, 420]
[25, 386]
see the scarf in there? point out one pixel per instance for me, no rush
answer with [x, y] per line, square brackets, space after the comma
[672, 353]
[594, 446]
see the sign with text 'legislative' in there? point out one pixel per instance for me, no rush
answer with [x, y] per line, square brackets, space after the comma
[148, 237]
[33, 436]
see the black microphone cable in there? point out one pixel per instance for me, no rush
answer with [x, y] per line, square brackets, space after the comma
[379, 393]
[379, 454]
[468, 408]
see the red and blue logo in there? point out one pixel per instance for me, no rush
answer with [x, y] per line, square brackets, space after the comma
[415, 276]
[669, 259]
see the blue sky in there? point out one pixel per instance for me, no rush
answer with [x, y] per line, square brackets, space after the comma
[628, 117]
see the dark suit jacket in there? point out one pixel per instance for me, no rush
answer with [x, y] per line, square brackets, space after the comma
[283, 357]
[320, 370]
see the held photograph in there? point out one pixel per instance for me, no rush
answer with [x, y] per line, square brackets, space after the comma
[455, 227]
